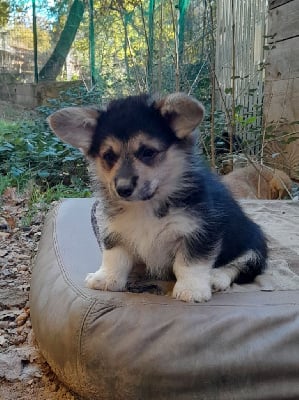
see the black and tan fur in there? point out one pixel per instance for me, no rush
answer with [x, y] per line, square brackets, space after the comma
[158, 203]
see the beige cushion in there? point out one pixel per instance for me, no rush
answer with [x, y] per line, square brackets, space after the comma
[127, 346]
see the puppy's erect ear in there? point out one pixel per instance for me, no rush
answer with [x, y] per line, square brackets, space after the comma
[183, 112]
[75, 125]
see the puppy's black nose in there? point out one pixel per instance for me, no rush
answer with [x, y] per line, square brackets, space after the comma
[125, 186]
[125, 191]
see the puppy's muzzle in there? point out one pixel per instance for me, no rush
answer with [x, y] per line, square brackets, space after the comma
[125, 186]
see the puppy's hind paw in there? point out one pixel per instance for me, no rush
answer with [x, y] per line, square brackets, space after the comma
[220, 280]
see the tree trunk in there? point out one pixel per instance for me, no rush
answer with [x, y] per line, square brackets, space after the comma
[183, 7]
[53, 66]
[151, 39]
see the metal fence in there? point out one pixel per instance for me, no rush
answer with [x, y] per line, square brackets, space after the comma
[122, 47]
[17, 45]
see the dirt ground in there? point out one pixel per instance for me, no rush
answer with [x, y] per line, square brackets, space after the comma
[24, 374]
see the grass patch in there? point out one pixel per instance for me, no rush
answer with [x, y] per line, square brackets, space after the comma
[40, 199]
[7, 127]
[4, 183]
[54, 193]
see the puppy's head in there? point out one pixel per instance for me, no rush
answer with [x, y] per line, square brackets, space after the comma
[137, 145]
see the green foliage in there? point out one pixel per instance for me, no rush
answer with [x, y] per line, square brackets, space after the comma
[74, 96]
[174, 41]
[4, 13]
[21, 36]
[29, 151]
[4, 183]
[248, 138]
[178, 33]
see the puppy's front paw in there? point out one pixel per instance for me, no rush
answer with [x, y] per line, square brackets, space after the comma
[191, 292]
[102, 281]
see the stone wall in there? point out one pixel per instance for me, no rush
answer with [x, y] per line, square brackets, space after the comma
[32, 95]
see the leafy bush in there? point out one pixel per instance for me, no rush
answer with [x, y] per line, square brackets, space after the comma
[74, 96]
[29, 151]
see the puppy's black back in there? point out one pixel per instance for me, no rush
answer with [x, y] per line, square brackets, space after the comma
[224, 223]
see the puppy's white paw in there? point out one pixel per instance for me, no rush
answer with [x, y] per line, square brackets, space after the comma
[102, 281]
[192, 292]
[220, 279]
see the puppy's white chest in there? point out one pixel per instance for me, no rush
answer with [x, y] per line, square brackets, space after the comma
[152, 240]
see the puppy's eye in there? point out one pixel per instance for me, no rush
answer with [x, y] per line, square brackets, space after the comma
[110, 157]
[146, 154]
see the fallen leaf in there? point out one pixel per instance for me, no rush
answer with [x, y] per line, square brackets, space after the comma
[9, 195]
[11, 221]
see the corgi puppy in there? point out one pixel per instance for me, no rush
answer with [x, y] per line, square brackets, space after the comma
[159, 204]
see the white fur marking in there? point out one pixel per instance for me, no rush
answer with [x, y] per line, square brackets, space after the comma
[149, 239]
[222, 278]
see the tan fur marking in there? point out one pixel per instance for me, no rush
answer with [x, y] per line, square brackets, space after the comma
[185, 112]
[110, 143]
[106, 175]
[163, 174]
[142, 139]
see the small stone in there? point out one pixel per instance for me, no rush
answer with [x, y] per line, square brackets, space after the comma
[19, 340]
[2, 340]
[7, 315]
[23, 256]
[4, 235]
[3, 223]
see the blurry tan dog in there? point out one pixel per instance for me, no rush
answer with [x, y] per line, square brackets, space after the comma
[258, 182]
